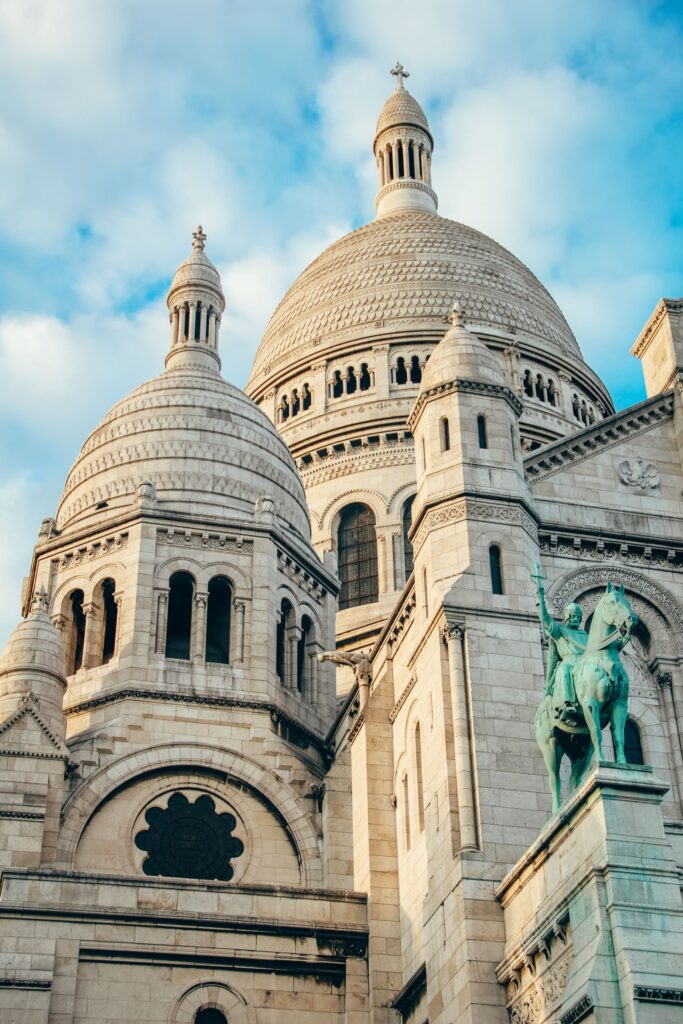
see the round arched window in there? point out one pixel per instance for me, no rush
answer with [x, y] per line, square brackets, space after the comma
[210, 1015]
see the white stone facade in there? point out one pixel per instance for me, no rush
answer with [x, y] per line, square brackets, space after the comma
[199, 822]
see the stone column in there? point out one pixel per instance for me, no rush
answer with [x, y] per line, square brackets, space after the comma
[429, 169]
[238, 658]
[198, 639]
[381, 354]
[665, 680]
[174, 327]
[416, 160]
[394, 158]
[212, 328]
[92, 635]
[181, 324]
[291, 651]
[314, 695]
[406, 159]
[162, 617]
[385, 163]
[191, 331]
[202, 321]
[453, 636]
[382, 560]
[118, 600]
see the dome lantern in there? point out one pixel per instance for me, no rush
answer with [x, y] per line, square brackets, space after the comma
[195, 306]
[403, 150]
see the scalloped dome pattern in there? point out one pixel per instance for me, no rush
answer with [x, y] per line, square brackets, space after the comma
[406, 269]
[401, 109]
[202, 443]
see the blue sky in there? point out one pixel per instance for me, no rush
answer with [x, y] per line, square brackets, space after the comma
[123, 123]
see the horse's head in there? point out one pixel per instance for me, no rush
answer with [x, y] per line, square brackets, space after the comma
[615, 610]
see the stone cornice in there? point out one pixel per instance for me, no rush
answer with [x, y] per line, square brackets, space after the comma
[402, 699]
[404, 183]
[476, 387]
[446, 511]
[648, 332]
[613, 430]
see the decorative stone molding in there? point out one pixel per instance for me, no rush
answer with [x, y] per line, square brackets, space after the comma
[213, 541]
[577, 583]
[637, 473]
[477, 387]
[536, 988]
[578, 1011]
[647, 994]
[664, 307]
[456, 511]
[294, 571]
[599, 436]
[664, 679]
[354, 733]
[451, 631]
[402, 699]
[347, 456]
[600, 550]
[88, 552]
[402, 619]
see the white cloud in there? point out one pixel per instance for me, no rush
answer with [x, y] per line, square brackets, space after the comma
[21, 499]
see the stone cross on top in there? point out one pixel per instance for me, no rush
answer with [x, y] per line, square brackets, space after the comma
[400, 74]
[198, 239]
[456, 315]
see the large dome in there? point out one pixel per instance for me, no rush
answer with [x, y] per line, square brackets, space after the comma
[200, 441]
[404, 271]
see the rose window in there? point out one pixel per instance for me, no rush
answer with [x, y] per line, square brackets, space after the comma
[189, 840]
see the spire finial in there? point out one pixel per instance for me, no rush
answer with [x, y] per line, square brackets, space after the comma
[400, 73]
[198, 239]
[456, 316]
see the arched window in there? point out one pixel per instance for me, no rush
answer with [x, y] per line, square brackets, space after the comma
[210, 1015]
[406, 810]
[401, 372]
[357, 551]
[401, 168]
[218, 621]
[364, 379]
[337, 385]
[281, 641]
[552, 392]
[302, 656]
[351, 383]
[528, 384]
[445, 434]
[411, 160]
[110, 614]
[415, 370]
[179, 625]
[496, 570]
[284, 408]
[296, 404]
[538, 387]
[576, 408]
[391, 163]
[406, 522]
[418, 779]
[76, 632]
[306, 394]
[633, 748]
[481, 432]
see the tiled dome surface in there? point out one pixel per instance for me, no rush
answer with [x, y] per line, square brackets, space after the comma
[401, 109]
[407, 269]
[202, 443]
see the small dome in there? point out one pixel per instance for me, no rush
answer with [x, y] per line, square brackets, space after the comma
[34, 644]
[197, 272]
[199, 441]
[401, 109]
[461, 354]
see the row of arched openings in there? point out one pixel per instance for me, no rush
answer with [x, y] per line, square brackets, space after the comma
[300, 400]
[294, 650]
[181, 607]
[350, 381]
[582, 411]
[104, 611]
[539, 387]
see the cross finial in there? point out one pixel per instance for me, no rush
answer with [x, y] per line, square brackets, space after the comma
[456, 316]
[400, 74]
[198, 239]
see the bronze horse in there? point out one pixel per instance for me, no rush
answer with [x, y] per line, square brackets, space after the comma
[601, 685]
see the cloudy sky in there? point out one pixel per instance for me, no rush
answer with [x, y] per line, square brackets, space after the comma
[123, 123]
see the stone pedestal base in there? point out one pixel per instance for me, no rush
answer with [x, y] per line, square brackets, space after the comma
[593, 913]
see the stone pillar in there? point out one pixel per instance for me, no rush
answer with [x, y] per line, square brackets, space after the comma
[181, 324]
[291, 650]
[198, 641]
[202, 322]
[118, 600]
[394, 158]
[162, 617]
[665, 680]
[406, 159]
[92, 635]
[381, 354]
[453, 636]
[382, 562]
[212, 328]
[314, 695]
[238, 657]
[192, 320]
[173, 320]
[416, 160]
[385, 162]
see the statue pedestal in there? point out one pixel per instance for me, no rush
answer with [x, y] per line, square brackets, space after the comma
[593, 912]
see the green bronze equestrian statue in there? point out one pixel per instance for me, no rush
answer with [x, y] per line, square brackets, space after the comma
[586, 684]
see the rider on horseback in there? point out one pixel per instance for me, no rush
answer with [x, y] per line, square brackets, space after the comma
[567, 642]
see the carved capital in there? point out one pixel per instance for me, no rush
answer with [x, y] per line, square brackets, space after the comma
[664, 679]
[452, 631]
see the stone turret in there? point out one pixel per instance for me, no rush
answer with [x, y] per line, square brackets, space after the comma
[403, 150]
[195, 306]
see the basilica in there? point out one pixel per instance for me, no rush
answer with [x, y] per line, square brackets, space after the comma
[268, 726]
